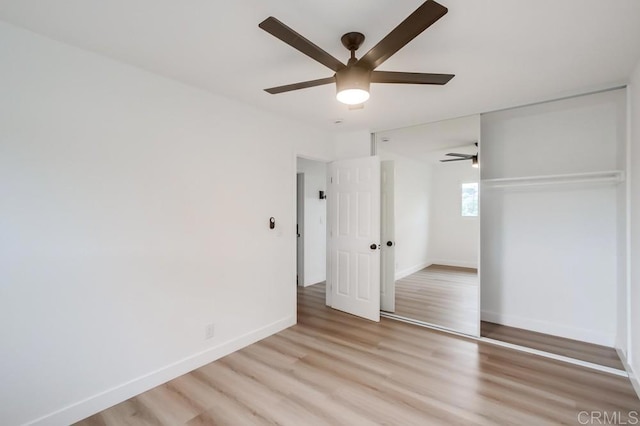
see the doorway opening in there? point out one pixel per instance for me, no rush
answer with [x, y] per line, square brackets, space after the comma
[311, 223]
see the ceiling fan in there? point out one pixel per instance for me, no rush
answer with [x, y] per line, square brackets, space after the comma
[463, 157]
[353, 79]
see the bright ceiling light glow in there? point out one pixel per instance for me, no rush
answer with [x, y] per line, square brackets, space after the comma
[352, 85]
[352, 96]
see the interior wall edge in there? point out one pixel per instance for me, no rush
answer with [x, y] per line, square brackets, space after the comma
[633, 230]
[623, 338]
[96, 403]
[627, 337]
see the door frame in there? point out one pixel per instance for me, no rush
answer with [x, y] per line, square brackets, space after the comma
[387, 234]
[300, 194]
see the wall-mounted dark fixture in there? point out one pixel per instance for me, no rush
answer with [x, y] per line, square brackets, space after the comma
[323, 195]
[272, 222]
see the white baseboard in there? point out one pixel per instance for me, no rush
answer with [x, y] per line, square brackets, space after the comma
[550, 328]
[454, 262]
[412, 270]
[89, 406]
[632, 375]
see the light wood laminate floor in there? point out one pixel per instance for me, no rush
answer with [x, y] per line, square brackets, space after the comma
[589, 352]
[336, 369]
[445, 296]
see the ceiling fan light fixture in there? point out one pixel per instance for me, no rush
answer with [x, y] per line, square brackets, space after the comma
[352, 96]
[352, 85]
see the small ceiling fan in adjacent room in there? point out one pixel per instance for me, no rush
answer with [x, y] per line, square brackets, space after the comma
[463, 157]
[353, 79]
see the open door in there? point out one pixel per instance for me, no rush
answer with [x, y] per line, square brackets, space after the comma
[353, 209]
[388, 252]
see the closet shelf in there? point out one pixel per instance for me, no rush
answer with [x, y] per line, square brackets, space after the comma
[611, 176]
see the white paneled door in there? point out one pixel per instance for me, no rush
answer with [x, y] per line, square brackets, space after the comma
[353, 207]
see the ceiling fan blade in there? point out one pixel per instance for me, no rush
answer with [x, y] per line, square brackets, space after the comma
[421, 19]
[410, 77]
[295, 40]
[455, 159]
[454, 154]
[301, 85]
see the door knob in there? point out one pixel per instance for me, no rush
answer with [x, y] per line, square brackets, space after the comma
[389, 243]
[373, 246]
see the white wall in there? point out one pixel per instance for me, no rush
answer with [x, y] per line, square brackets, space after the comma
[634, 294]
[412, 213]
[134, 212]
[349, 145]
[549, 253]
[454, 238]
[315, 221]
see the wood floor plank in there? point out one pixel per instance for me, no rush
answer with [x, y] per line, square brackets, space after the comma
[597, 354]
[336, 369]
[447, 296]
[441, 295]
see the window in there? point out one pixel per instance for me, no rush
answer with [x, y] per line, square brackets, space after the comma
[470, 199]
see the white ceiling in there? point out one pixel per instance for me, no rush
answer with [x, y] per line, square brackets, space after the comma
[503, 52]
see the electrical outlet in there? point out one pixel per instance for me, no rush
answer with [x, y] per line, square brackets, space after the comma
[209, 331]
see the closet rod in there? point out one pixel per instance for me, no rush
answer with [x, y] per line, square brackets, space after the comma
[612, 176]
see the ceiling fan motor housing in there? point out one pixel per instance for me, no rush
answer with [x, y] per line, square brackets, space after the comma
[353, 78]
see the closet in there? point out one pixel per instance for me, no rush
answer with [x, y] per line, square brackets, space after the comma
[553, 217]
